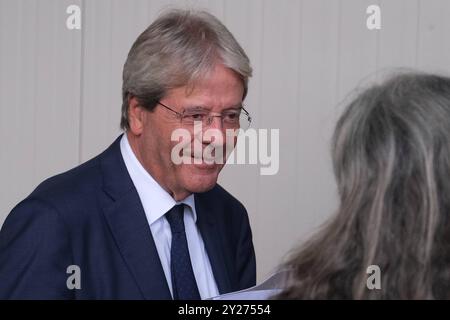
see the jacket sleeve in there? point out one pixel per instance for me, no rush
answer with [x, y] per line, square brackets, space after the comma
[245, 254]
[35, 253]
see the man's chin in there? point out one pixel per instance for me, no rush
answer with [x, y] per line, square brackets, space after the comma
[201, 188]
[200, 179]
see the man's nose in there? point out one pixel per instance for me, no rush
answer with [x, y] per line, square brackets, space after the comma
[213, 133]
[215, 122]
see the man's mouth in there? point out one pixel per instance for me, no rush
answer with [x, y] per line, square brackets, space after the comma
[202, 160]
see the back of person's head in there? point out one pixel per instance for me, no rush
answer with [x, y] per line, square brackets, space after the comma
[391, 157]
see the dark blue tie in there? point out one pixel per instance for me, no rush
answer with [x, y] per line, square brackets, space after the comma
[184, 286]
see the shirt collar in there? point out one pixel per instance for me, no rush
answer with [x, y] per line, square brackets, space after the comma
[155, 200]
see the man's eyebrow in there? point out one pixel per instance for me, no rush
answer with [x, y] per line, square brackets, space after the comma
[197, 108]
[206, 108]
[235, 107]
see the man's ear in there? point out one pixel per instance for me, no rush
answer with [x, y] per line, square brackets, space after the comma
[136, 116]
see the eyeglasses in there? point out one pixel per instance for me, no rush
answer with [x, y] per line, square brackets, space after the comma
[232, 118]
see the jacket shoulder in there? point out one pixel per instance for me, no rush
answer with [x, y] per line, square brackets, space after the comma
[221, 196]
[81, 178]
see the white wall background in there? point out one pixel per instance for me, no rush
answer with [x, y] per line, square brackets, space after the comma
[60, 91]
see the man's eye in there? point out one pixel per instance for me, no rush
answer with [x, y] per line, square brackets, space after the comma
[196, 116]
[231, 116]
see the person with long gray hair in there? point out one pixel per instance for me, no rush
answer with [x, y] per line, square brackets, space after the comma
[391, 158]
[133, 223]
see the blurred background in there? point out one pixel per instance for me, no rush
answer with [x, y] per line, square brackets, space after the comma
[60, 91]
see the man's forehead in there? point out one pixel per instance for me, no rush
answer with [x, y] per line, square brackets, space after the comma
[200, 107]
[218, 79]
[204, 98]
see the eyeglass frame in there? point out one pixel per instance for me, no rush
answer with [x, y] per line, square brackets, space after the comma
[209, 117]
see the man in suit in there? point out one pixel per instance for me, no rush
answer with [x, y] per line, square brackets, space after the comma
[132, 223]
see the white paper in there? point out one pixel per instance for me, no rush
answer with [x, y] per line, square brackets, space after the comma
[264, 291]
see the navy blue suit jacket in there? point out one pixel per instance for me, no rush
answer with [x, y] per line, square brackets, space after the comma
[92, 217]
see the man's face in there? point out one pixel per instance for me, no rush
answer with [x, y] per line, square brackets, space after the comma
[219, 91]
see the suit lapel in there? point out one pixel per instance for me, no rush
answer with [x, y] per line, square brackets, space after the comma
[126, 218]
[213, 240]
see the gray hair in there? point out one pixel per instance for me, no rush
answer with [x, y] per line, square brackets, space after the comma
[177, 49]
[391, 157]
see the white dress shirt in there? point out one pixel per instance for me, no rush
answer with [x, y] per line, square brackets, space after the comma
[156, 202]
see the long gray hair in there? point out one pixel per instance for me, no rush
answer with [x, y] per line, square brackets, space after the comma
[391, 158]
[178, 48]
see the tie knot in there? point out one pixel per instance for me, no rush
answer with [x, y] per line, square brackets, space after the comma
[175, 218]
